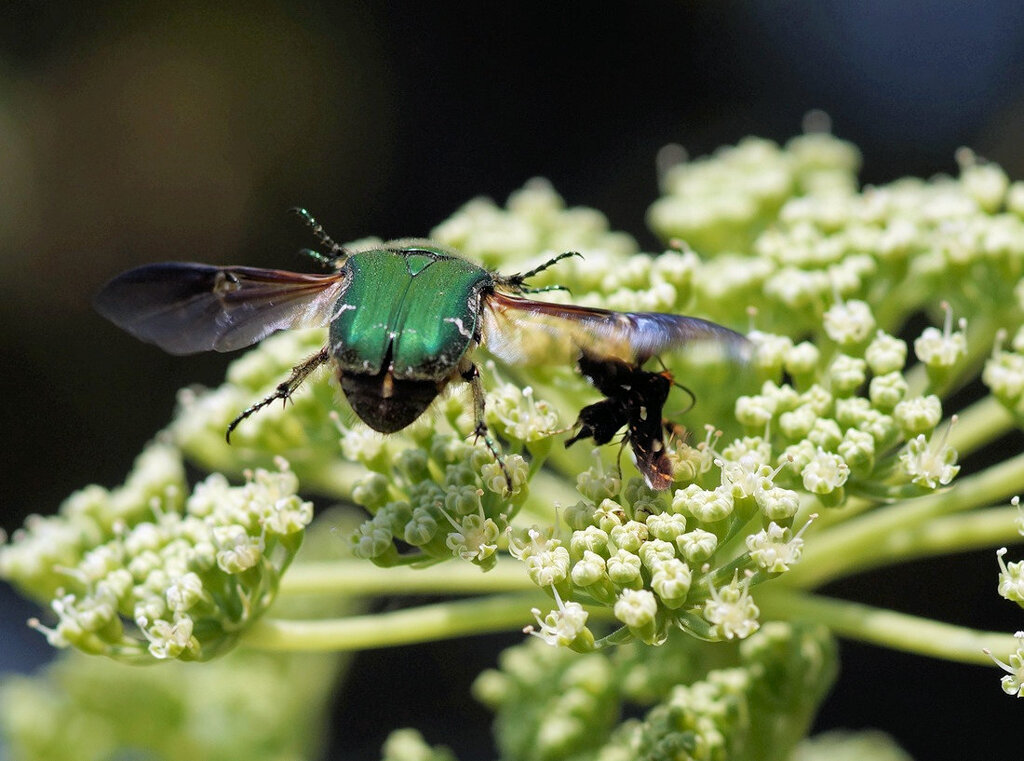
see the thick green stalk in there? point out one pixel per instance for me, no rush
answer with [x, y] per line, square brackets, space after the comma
[358, 577]
[840, 549]
[994, 527]
[422, 624]
[887, 628]
[546, 489]
[979, 424]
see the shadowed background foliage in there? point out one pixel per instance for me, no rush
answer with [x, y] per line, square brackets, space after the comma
[132, 133]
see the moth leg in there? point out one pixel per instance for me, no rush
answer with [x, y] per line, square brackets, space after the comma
[284, 390]
[668, 374]
[675, 431]
[472, 376]
[618, 457]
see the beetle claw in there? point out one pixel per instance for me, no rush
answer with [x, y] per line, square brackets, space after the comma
[284, 390]
[480, 431]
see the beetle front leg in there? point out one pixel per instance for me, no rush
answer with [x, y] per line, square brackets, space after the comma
[518, 282]
[471, 375]
[338, 252]
[284, 390]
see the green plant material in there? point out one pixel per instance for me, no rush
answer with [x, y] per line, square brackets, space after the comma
[248, 704]
[837, 448]
[850, 746]
[190, 573]
[755, 700]
[409, 745]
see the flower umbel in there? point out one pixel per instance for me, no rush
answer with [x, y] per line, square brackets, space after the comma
[182, 582]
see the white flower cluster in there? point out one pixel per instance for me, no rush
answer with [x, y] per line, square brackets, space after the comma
[166, 578]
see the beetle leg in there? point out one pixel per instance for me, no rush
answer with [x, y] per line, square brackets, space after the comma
[338, 251]
[544, 289]
[284, 390]
[472, 376]
[328, 262]
[553, 260]
[516, 282]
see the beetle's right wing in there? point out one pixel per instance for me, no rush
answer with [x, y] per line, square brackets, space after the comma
[186, 308]
[524, 331]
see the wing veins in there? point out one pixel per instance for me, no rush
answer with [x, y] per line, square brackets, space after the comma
[519, 330]
[186, 308]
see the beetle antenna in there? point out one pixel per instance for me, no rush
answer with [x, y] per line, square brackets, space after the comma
[339, 251]
[516, 281]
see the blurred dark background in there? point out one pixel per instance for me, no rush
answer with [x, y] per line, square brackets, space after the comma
[134, 132]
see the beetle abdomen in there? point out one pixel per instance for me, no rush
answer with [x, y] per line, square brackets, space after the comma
[385, 403]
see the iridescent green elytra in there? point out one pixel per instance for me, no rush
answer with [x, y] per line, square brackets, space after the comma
[406, 317]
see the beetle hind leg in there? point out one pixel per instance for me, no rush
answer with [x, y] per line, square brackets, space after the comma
[284, 389]
[472, 376]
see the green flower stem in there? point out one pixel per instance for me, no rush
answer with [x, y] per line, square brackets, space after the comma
[980, 424]
[887, 628]
[334, 478]
[832, 553]
[357, 577]
[957, 533]
[546, 489]
[568, 461]
[811, 505]
[891, 314]
[422, 624]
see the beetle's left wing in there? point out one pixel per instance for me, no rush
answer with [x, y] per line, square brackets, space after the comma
[524, 331]
[186, 308]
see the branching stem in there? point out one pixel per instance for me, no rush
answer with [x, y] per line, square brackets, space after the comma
[834, 552]
[979, 424]
[360, 578]
[402, 627]
[886, 628]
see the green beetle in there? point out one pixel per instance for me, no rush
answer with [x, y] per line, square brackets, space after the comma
[404, 318]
